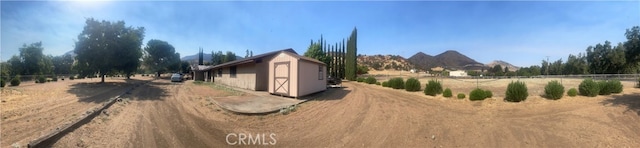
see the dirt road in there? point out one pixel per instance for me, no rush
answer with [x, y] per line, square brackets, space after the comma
[165, 114]
[32, 110]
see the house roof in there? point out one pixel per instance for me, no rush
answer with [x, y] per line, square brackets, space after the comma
[289, 51]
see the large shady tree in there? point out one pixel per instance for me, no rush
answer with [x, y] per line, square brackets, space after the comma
[161, 56]
[106, 47]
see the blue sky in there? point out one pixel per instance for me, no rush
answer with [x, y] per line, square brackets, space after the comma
[522, 33]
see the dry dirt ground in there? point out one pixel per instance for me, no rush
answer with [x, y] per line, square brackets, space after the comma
[164, 114]
[32, 110]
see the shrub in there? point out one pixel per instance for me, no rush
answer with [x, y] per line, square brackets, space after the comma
[461, 96]
[447, 93]
[412, 85]
[477, 94]
[554, 90]
[433, 88]
[605, 89]
[370, 80]
[616, 86]
[589, 88]
[54, 79]
[15, 81]
[378, 83]
[516, 92]
[2, 82]
[572, 92]
[41, 79]
[385, 84]
[396, 83]
[71, 78]
[360, 79]
[488, 94]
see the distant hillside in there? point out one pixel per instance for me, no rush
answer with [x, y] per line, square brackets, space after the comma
[385, 62]
[503, 64]
[206, 58]
[450, 59]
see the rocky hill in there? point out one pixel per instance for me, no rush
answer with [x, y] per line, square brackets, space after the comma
[385, 62]
[503, 64]
[450, 59]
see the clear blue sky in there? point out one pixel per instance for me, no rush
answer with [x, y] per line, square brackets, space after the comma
[521, 33]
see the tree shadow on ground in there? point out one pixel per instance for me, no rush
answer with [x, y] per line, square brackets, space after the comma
[152, 91]
[631, 101]
[96, 92]
[329, 94]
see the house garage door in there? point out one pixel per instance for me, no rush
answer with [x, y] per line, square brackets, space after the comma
[282, 73]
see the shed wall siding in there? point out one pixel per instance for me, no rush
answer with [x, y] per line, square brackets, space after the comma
[245, 77]
[293, 76]
[262, 75]
[309, 74]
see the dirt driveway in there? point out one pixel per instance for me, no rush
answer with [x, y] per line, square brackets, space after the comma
[165, 114]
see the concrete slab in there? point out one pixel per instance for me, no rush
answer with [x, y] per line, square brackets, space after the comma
[255, 104]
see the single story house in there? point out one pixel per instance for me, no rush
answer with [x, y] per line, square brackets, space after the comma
[281, 72]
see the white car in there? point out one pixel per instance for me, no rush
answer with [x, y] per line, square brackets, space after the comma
[176, 78]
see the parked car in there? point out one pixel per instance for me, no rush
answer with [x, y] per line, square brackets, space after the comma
[176, 77]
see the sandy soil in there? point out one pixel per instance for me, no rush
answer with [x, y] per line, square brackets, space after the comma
[32, 110]
[164, 114]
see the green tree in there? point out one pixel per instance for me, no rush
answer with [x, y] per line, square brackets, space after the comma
[497, 70]
[351, 62]
[16, 65]
[62, 64]
[632, 49]
[575, 65]
[216, 57]
[363, 69]
[104, 47]
[315, 51]
[160, 56]
[33, 62]
[230, 56]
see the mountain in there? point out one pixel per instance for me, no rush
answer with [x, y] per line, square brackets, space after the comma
[503, 64]
[385, 62]
[194, 58]
[205, 56]
[450, 59]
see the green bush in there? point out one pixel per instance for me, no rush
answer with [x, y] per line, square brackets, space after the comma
[589, 88]
[488, 94]
[447, 93]
[2, 82]
[616, 86]
[71, 77]
[516, 92]
[433, 88]
[370, 80]
[477, 94]
[572, 92]
[385, 84]
[15, 81]
[461, 96]
[605, 89]
[554, 90]
[360, 79]
[378, 83]
[396, 83]
[412, 85]
[54, 78]
[41, 79]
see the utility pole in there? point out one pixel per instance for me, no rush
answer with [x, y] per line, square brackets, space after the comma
[547, 67]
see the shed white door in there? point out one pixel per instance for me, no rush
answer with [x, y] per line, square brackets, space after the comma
[281, 79]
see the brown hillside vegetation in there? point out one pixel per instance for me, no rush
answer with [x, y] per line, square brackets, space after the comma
[385, 62]
[449, 59]
[503, 64]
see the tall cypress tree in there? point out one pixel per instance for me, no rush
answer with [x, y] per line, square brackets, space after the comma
[351, 61]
